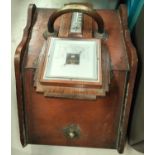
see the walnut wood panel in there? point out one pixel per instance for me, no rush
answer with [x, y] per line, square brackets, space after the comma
[87, 27]
[97, 119]
[65, 25]
[133, 61]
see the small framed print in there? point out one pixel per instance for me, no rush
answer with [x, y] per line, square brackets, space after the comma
[72, 58]
[72, 62]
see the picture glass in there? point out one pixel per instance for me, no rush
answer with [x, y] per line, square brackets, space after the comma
[72, 60]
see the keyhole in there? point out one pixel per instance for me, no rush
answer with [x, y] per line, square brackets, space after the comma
[72, 131]
[71, 135]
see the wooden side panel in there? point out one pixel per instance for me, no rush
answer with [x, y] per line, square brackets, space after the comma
[18, 62]
[133, 61]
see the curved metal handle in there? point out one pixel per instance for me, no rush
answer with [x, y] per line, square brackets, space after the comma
[75, 7]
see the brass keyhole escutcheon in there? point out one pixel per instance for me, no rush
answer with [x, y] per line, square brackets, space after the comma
[72, 131]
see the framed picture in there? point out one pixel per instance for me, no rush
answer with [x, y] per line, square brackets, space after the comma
[71, 62]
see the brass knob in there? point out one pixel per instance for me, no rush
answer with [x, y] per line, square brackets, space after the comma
[71, 134]
[72, 131]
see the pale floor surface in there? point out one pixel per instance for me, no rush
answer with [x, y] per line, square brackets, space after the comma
[19, 16]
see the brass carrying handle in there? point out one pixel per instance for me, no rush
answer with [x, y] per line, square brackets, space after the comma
[75, 7]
